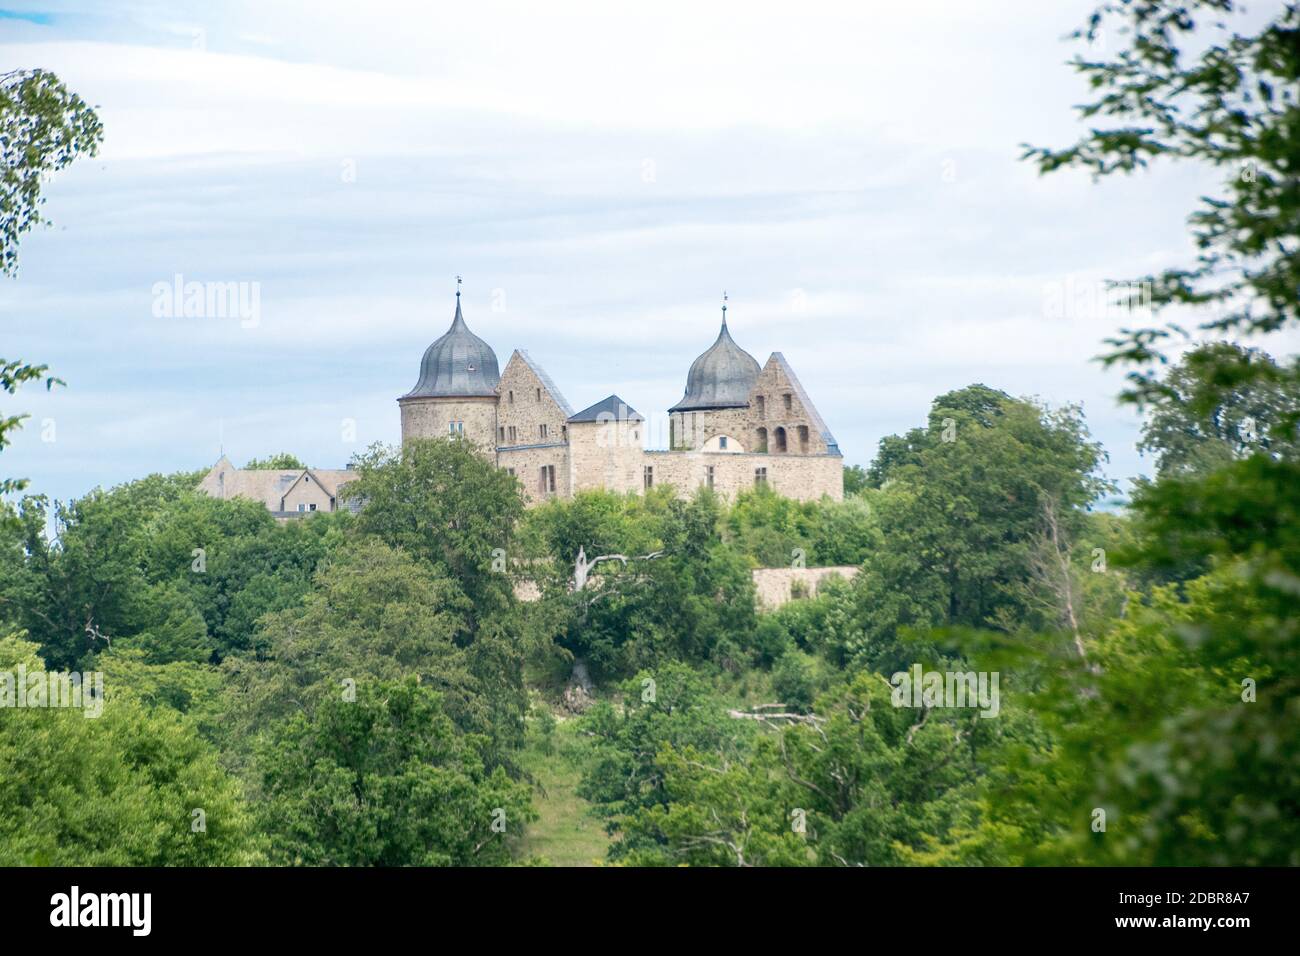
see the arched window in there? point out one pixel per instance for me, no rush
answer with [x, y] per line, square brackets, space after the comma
[761, 444]
[779, 435]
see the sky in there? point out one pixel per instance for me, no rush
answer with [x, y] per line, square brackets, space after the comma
[598, 173]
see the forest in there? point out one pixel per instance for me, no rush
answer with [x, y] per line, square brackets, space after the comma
[369, 688]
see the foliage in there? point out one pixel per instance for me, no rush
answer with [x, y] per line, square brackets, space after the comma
[1221, 402]
[43, 128]
[280, 462]
[1196, 81]
[115, 790]
[385, 780]
[443, 502]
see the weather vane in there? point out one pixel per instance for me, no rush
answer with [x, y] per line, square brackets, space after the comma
[458, 287]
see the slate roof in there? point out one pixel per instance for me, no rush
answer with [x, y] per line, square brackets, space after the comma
[608, 409]
[547, 383]
[459, 364]
[721, 377]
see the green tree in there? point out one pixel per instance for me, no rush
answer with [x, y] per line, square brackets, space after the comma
[385, 780]
[961, 514]
[43, 128]
[117, 790]
[442, 501]
[282, 461]
[1199, 82]
[1221, 402]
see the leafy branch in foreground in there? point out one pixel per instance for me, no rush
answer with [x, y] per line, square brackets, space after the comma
[1230, 102]
[43, 127]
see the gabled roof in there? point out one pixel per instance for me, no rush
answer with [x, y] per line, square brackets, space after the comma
[328, 479]
[551, 388]
[268, 485]
[608, 409]
[814, 416]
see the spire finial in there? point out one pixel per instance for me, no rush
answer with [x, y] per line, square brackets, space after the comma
[458, 287]
[724, 308]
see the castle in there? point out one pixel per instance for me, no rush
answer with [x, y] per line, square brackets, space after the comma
[737, 426]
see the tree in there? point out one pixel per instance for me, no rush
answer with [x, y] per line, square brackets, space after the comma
[375, 613]
[1194, 81]
[1207, 414]
[960, 512]
[1174, 741]
[117, 790]
[282, 461]
[670, 705]
[855, 479]
[442, 501]
[385, 780]
[860, 783]
[43, 128]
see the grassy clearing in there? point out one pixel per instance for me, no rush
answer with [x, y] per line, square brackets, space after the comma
[565, 833]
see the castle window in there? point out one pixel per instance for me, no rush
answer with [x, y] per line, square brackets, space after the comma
[564, 433]
[511, 471]
[546, 480]
[761, 445]
[762, 407]
[539, 394]
[648, 476]
[708, 477]
[760, 476]
[803, 439]
[514, 435]
[302, 507]
[312, 506]
[541, 430]
[501, 434]
[779, 435]
[722, 443]
[456, 428]
[510, 396]
[789, 405]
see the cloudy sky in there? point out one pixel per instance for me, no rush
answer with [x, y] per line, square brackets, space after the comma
[598, 173]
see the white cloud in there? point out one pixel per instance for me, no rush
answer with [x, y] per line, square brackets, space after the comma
[848, 173]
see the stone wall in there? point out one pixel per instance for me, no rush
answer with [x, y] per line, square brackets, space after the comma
[776, 389]
[774, 587]
[526, 405]
[527, 461]
[307, 491]
[606, 455]
[801, 477]
[430, 417]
